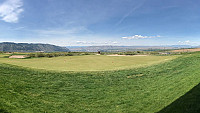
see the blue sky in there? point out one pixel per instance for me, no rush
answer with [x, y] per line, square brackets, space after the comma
[101, 22]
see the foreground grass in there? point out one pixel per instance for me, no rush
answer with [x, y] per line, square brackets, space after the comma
[140, 90]
[188, 103]
[87, 63]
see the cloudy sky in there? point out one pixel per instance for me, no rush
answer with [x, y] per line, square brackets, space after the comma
[101, 22]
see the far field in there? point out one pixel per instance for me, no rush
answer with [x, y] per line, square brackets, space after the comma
[87, 62]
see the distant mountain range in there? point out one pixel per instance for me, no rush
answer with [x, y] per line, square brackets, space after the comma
[182, 46]
[123, 48]
[30, 47]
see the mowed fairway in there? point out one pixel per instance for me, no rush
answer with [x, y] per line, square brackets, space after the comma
[87, 63]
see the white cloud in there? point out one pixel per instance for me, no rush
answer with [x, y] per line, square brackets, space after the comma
[140, 37]
[87, 42]
[96, 43]
[82, 42]
[115, 42]
[75, 30]
[10, 10]
[184, 42]
[188, 42]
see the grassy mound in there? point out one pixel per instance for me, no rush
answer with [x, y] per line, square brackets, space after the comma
[147, 89]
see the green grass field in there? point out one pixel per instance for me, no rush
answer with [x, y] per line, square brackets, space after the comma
[4, 55]
[142, 90]
[88, 63]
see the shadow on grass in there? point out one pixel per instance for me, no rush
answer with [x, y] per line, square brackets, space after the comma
[3, 111]
[188, 103]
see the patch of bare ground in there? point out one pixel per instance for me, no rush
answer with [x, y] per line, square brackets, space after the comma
[18, 56]
[126, 55]
[132, 76]
[187, 50]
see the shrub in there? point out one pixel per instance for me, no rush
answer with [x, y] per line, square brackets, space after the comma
[32, 55]
[70, 54]
[49, 55]
[40, 55]
[130, 53]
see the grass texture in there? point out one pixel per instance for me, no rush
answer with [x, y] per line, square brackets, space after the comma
[87, 62]
[142, 90]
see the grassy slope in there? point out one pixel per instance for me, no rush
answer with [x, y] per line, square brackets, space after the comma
[87, 63]
[138, 90]
[188, 103]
